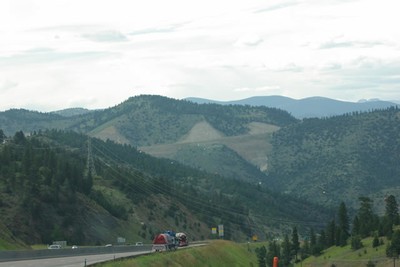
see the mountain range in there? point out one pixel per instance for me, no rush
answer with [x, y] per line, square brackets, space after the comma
[318, 107]
[262, 160]
[234, 140]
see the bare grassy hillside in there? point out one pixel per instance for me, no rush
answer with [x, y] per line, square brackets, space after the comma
[252, 147]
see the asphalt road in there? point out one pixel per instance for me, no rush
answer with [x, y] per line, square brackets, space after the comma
[78, 261]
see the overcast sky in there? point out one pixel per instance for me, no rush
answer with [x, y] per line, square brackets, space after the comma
[57, 54]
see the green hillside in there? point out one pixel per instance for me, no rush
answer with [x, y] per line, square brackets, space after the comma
[217, 253]
[255, 169]
[160, 125]
[48, 193]
[148, 120]
[8, 241]
[224, 253]
[15, 120]
[347, 257]
[211, 157]
[243, 157]
[340, 158]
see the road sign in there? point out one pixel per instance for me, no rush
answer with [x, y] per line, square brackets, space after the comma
[220, 230]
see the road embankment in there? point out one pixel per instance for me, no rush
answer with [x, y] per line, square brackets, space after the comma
[15, 255]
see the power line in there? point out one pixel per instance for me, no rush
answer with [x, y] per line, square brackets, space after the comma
[90, 168]
[198, 203]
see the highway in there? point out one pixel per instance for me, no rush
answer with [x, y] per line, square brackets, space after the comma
[75, 261]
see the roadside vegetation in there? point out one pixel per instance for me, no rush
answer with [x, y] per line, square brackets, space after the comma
[371, 241]
[346, 256]
[226, 253]
[217, 254]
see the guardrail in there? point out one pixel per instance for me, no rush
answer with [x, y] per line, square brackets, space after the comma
[15, 255]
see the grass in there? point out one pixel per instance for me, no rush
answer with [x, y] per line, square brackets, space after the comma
[39, 246]
[218, 253]
[226, 253]
[7, 241]
[346, 257]
[253, 147]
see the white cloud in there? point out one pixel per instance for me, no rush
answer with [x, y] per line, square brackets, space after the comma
[57, 54]
[267, 89]
[277, 6]
[249, 39]
[106, 36]
[47, 56]
[7, 85]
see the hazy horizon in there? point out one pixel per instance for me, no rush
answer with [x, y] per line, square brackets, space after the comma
[256, 96]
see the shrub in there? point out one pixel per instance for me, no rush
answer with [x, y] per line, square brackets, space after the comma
[356, 242]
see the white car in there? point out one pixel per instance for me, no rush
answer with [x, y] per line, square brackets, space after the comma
[54, 247]
[138, 244]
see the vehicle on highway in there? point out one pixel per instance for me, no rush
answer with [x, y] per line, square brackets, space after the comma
[108, 245]
[138, 244]
[54, 247]
[74, 247]
[164, 242]
[181, 239]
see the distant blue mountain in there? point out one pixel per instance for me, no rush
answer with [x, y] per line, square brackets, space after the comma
[306, 107]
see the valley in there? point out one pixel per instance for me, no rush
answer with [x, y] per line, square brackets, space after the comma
[159, 163]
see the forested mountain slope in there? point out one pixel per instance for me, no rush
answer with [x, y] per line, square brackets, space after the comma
[324, 160]
[147, 120]
[339, 158]
[48, 193]
[201, 136]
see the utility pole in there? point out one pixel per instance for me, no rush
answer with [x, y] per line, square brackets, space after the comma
[90, 162]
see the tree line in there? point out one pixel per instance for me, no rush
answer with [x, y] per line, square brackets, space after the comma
[340, 231]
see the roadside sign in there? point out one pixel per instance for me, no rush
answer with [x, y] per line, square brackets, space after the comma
[220, 230]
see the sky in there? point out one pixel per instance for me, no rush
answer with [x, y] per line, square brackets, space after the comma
[58, 54]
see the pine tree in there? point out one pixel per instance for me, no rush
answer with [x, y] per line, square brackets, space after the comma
[2, 136]
[393, 248]
[392, 210]
[261, 256]
[313, 237]
[19, 138]
[356, 242]
[274, 250]
[286, 251]
[375, 242]
[356, 226]
[295, 242]
[343, 225]
[305, 251]
[366, 216]
[315, 249]
[330, 234]
[321, 243]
